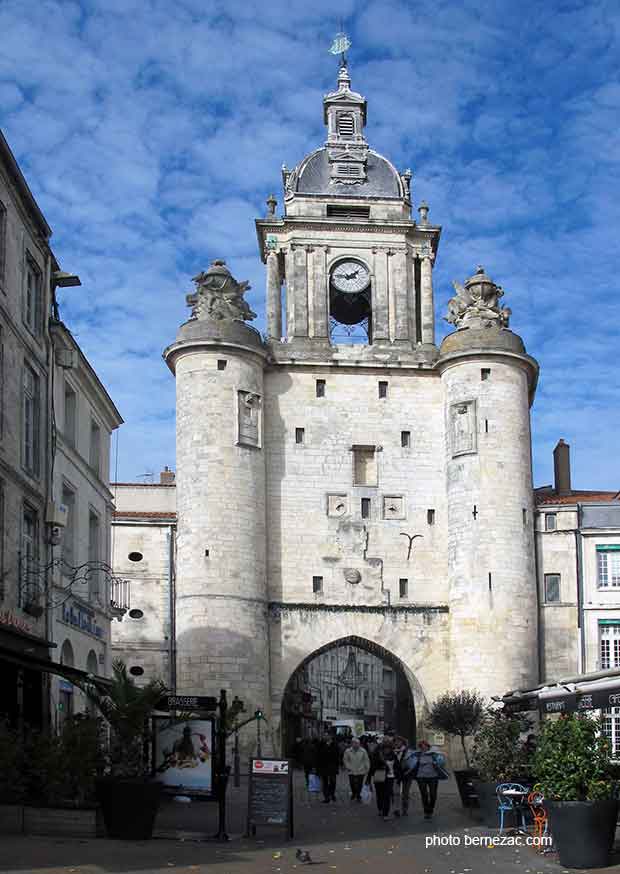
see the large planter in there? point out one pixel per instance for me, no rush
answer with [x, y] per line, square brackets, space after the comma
[465, 785]
[129, 807]
[487, 802]
[583, 831]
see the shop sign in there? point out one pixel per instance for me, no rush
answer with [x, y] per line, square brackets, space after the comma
[81, 617]
[13, 621]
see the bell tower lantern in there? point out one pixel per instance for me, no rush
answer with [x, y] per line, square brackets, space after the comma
[355, 267]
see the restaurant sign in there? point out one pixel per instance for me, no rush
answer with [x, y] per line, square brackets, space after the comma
[81, 617]
[13, 621]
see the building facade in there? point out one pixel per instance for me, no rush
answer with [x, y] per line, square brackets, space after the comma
[35, 352]
[578, 569]
[345, 478]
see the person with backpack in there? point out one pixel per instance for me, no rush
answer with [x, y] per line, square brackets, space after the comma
[405, 762]
[428, 769]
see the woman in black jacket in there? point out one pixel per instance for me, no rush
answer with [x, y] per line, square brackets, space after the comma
[383, 765]
[328, 762]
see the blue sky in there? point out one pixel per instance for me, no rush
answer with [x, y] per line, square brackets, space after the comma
[151, 134]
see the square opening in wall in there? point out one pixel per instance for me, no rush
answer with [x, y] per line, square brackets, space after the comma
[320, 388]
[405, 439]
[299, 435]
[403, 587]
[221, 364]
[485, 373]
[383, 389]
[430, 517]
[317, 585]
[364, 466]
[365, 508]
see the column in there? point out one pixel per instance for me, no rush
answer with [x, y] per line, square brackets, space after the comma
[428, 308]
[274, 300]
[401, 296]
[289, 273]
[320, 292]
[300, 299]
[380, 326]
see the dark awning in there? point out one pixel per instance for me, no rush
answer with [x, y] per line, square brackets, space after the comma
[584, 697]
[35, 662]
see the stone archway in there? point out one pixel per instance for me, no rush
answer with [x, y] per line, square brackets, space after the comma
[351, 679]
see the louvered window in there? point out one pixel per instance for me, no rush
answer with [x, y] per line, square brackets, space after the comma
[351, 171]
[348, 211]
[346, 125]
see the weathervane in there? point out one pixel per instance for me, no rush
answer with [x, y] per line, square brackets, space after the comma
[340, 46]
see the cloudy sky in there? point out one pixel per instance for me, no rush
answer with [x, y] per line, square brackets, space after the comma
[152, 132]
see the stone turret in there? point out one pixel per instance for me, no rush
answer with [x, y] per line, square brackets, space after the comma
[221, 605]
[489, 383]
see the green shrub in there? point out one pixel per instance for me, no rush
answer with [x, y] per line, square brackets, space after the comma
[499, 755]
[572, 760]
[458, 714]
[12, 788]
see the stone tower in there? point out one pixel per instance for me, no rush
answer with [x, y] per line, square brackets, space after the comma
[221, 624]
[344, 479]
[489, 383]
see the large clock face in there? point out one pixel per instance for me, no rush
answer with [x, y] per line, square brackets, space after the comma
[350, 277]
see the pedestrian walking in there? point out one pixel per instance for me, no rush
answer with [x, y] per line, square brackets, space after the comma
[405, 762]
[381, 773]
[357, 765]
[328, 761]
[309, 754]
[428, 769]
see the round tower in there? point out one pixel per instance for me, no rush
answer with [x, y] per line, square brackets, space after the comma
[489, 383]
[221, 596]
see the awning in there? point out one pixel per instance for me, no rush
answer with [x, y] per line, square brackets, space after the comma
[576, 698]
[35, 662]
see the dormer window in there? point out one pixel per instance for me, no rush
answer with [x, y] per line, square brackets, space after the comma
[350, 171]
[346, 125]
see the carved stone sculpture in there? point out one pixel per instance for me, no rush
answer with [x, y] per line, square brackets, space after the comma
[218, 296]
[475, 305]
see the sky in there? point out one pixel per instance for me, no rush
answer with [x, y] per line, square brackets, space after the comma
[151, 134]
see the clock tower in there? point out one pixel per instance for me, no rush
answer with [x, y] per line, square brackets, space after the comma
[355, 267]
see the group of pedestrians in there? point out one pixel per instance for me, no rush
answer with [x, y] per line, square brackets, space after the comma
[387, 766]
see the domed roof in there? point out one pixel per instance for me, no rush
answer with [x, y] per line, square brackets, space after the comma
[312, 176]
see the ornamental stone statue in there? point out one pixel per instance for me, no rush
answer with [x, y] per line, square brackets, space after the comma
[475, 304]
[218, 296]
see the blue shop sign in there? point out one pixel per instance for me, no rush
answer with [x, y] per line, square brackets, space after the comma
[82, 618]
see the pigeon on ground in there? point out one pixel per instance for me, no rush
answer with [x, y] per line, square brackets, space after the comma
[303, 856]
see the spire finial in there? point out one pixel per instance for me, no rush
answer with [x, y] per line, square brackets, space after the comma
[340, 46]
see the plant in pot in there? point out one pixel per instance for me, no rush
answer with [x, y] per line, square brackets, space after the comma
[499, 755]
[573, 770]
[128, 796]
[459, 714]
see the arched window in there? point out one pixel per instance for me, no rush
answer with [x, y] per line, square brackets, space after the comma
[350, 302]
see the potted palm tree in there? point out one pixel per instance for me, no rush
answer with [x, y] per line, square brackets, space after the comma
[499, 756]
[458, 714]
[572, 768]
[128, 796]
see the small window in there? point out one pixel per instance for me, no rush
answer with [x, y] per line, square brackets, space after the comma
[136, 671]
[485, 373]
[221, 364]
[317, 585]
[69, 533]
[69, 429]
[320, 388]
[32, 296]
[552, 588]
[365, 508]
[403, 587]
[405, 439]
[2, 241]
[430, 517]
[383, 388]
[364, 466]
[135, 556]
[524, 515]
[551, 521]
[299, 435]
[486, 426]
[31, 418]
[136, 614]
[608, 559]
[94, 556]
[346, 124]
[95, 447]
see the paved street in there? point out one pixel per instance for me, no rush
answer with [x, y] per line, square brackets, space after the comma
[343, 838]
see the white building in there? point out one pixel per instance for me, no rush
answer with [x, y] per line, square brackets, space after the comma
[36, 463]
[578, 564]
[83, 590]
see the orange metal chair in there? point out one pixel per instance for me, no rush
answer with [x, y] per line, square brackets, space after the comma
[539, 816]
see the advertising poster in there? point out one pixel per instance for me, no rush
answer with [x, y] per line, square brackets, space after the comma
[184, 755]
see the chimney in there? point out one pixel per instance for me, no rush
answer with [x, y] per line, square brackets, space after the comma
[166, 477]
[561, 468]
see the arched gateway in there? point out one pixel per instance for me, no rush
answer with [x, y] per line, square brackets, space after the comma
[351, 680]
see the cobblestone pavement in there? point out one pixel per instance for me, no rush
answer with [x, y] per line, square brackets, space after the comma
[342, 838]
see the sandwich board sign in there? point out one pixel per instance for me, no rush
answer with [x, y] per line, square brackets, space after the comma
[270, 794]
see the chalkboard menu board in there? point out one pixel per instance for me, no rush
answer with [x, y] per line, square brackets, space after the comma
[270, 795]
